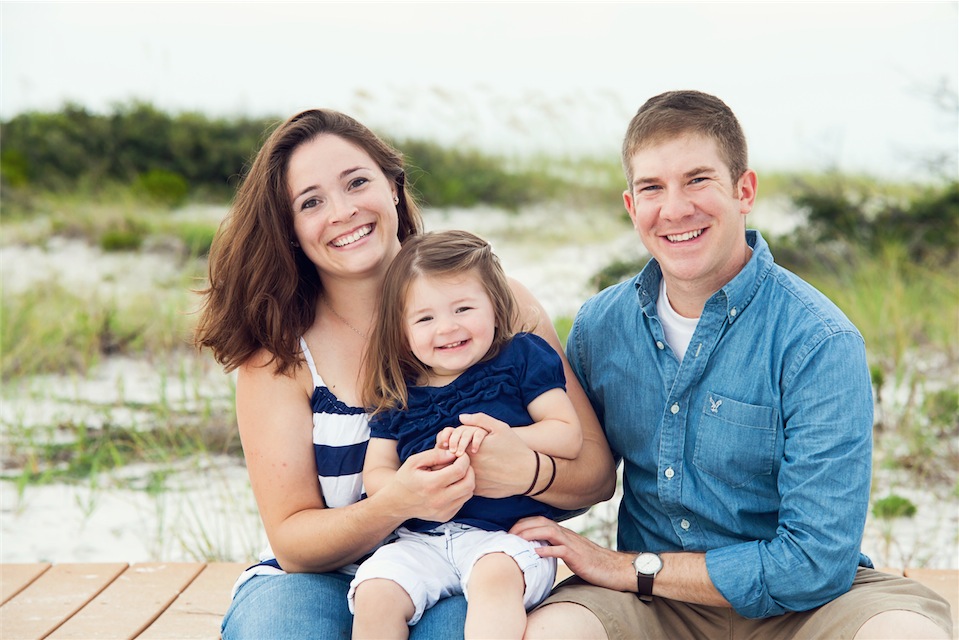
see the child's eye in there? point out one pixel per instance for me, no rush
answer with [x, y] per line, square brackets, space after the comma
[423, 319]
[462, 309]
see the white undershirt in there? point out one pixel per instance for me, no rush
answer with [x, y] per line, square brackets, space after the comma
[678, 329]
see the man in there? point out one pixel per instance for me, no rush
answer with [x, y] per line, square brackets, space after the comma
[739, 399]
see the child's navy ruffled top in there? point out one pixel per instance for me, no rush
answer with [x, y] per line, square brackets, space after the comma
[501, 387]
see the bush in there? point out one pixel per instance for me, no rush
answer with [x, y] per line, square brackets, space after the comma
[926, 224]
[893, 506]
[444, 177]
[60, 150]
[163, 187]
[197, 237]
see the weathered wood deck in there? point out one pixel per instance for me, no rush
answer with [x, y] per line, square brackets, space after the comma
[166, 601]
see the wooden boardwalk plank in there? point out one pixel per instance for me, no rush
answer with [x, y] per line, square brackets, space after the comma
[197, 613]
[945, 582]
[182, 601]
[54, 597]
[14, 577]
[131, 603]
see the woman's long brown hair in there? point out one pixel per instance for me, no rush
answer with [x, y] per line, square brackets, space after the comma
[262, 290]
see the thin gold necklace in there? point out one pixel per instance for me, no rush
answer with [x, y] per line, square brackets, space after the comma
[343, 320]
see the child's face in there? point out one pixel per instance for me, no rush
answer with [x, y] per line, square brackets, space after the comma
[450, 324]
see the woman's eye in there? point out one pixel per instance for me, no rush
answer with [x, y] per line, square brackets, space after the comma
[309, 203]
[358, 182]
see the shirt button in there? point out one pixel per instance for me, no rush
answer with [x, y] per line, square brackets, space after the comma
[674, 409]
[669, 473]
[684, 524]
[733, 312]
[660, 345]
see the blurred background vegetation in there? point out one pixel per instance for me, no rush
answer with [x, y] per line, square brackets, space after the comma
[886, 253]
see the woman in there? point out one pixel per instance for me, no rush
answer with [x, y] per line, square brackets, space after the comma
[295, 274]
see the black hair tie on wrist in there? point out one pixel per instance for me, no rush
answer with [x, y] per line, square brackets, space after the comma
[535, 475]
[551, 477]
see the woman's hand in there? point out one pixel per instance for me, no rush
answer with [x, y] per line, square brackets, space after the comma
[432, 485]
[504, 465]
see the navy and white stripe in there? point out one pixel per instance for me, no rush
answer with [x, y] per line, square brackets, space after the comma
[340, 436]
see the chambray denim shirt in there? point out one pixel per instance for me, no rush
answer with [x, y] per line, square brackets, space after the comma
[756, 449]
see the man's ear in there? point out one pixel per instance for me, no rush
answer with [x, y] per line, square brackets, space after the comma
[746, 191]
[629, 204]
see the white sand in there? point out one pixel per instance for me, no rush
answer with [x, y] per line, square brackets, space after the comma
[206, 509]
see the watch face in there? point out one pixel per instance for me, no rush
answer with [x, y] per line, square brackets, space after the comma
[648, 563]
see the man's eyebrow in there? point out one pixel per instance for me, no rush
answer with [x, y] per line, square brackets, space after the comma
[699, 170]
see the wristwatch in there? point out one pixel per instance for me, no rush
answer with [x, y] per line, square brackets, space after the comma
[647, 565]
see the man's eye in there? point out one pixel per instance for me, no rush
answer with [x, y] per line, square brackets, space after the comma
[649, 188]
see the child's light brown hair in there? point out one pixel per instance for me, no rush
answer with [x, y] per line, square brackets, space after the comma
[389, 362]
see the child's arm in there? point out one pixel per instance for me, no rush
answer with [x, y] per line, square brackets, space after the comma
[555, 430]
[380, 465]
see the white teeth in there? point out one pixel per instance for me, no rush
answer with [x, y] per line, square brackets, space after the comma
[452, 344]
[362, 232]
[689, 235]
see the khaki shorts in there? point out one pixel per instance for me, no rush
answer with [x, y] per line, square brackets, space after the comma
[626, 616]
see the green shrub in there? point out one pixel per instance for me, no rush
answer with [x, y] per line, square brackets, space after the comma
[121, 240]
[893, 506]
[197, 237]
[617, 272]
[924, 223]
[163, 187]
[444, 177]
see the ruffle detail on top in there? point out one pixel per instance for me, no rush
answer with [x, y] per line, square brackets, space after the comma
[502, 387]
[324, 401]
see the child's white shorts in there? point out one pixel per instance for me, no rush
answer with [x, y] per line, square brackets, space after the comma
[438, 563]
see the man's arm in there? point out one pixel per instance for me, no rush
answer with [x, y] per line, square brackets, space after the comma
[823, 481]
[683, 576]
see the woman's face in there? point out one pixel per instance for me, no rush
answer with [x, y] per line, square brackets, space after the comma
[344, 214]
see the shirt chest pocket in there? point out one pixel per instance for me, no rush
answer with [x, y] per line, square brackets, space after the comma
[736, 441]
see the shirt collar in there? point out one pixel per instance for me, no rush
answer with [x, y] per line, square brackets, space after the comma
[738, 292]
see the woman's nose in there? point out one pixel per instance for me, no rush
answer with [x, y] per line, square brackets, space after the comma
[342, 208]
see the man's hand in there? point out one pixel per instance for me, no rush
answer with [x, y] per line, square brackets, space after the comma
[591, 562]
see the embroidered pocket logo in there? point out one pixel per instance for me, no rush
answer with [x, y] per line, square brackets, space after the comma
[714, 404]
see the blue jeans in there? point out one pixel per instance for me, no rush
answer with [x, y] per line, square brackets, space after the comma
[313, 605]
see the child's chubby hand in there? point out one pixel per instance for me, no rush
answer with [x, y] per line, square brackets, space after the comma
[462, 439]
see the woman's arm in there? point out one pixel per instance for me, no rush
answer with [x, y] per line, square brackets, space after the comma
[275, 422]
[555, 430]
[504, 465]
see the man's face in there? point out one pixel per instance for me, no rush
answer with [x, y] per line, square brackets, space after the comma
[689, 214]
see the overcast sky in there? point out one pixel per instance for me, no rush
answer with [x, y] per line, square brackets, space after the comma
[816, 85]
